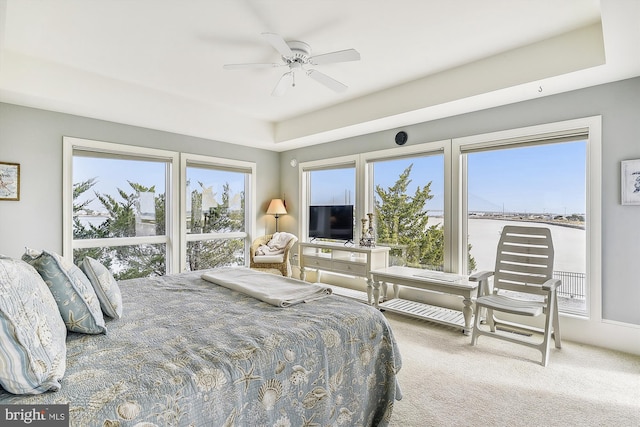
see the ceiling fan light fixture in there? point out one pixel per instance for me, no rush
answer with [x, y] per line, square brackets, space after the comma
[296, 55]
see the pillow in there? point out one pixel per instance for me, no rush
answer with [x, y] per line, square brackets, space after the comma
[33, 351]
[77, 301]
[105, 286]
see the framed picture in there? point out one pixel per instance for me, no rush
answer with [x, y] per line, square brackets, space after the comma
[630, 182]
[9, 181]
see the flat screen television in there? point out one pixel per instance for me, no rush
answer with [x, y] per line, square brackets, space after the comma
[331, 222]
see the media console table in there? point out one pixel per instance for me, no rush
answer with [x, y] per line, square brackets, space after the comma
[436, 281]
[339, 258]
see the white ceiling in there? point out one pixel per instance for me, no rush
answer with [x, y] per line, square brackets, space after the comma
[158, 63]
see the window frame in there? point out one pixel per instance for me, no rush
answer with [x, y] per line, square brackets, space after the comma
[175, 238]
[70, 146]
[442, 147]
[305, 189]
[592, 127]
[249, 168]
[455, 257]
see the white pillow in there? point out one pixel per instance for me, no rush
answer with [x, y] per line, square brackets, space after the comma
[32, 333]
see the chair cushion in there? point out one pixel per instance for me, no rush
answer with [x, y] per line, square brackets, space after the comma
[268, 270]
[269, 259]
[77, 301]
[32, 333]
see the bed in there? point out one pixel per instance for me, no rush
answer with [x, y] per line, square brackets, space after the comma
[187, 352]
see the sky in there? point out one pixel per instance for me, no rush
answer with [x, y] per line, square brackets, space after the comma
[542, 179]
[112, 174]
[538, 179]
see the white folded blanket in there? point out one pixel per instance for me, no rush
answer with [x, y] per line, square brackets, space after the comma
[276, 290]
[276, 245]
[266, 250]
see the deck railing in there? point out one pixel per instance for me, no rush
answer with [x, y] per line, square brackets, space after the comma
[573, 284]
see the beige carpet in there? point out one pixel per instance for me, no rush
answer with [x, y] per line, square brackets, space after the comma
[447, 382]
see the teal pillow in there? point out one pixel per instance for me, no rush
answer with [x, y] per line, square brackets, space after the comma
[77, 301]
[105, 286]
[32, 334]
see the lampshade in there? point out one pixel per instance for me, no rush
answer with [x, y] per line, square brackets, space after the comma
[276, 207]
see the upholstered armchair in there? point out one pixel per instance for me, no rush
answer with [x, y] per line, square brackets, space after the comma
[278, 262]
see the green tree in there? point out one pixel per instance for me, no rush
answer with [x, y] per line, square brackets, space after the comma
[133, 261]
[86, 231]
[218, 219]
[150, 260]
[402, 223]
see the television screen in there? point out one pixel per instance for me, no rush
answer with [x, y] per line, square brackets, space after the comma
[331, 222]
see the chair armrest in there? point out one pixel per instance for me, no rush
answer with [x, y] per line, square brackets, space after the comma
[551, 284]
[289, 246]
[480, 276]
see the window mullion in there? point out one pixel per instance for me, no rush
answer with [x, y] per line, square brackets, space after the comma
[119, 241]
[215, 236]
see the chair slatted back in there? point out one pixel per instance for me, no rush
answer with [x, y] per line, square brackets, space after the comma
[524, 259]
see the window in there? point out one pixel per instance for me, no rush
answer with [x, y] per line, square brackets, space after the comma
[123, 207]
[216, 216]
[541, 185]
[330, 183]
[408, 193]
[547, 174]
[118, 207]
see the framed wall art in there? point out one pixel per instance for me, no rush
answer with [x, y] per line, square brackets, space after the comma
[630, 171]
[9, 181]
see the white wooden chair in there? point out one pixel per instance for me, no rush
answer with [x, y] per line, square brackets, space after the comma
[523, 285]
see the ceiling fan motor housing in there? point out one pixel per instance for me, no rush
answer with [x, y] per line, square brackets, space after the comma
[301, 52]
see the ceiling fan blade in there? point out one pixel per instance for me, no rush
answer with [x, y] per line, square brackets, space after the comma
[339, 56]
[327, 81]
[239, 66]
[278, 43]
[283, 84]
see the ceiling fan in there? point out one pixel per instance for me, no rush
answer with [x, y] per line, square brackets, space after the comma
[296, 55]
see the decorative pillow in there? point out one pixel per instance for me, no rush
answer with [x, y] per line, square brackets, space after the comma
[33, 351]
[77, 301]
[105, 286]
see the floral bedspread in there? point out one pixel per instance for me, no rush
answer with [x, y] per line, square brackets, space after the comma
[187, 352]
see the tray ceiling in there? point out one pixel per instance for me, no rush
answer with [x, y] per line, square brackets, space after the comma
[158, 63]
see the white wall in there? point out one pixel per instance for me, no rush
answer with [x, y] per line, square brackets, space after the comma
[618, 104]
[33, 138]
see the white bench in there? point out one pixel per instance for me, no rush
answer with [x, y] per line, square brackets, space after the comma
[435, 281]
